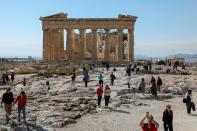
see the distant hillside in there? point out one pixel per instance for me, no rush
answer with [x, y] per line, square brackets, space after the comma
[187, 57]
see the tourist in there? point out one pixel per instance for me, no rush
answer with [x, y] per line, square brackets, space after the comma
[159, 84]
[47, 84]
[7, 99]
[7, 77]
[107, 66]
[107, 93]
[99, 93]
[73, 77]
[142, 86]
[22, 101]
[3, 79]
[152, 125]
[85, 76]
[100, 78]
[128, 72]
[12, 77]
[167, 118]
[153, 87]
[112, 78]
[189, 101]
[24, 82]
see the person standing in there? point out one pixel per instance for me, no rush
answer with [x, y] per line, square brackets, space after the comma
[152, 125]
[12, 77]
[22, 102]
[48, 83]
[7, 99]
[142, 86]
[159, 84]
[107, 93]
[85, 76]
[189, 101]
[153, 87]
[73, 77]
[99, 93]
[112, 78]
[168, 118]
[100, 78]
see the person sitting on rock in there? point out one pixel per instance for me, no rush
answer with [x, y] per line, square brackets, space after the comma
[100, 78]
[107, 93]
[99, 93]
[22, 102]
[112, 78]
[152, 125]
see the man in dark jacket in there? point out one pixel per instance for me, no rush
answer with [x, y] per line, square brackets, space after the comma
[168, 118]
[7, 99]
[159, 84]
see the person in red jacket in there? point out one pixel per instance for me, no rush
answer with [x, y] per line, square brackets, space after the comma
[99, 93]
[22, 102]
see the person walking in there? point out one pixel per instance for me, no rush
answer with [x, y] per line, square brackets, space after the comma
[100, 78]
[107, 93]
[167, 118]
[24, 82]
[7, 99]
[22, 102]
[159, 84]
[85, 76]
[12, 77]
[142, 86]
[151, 125]
[189, 101]
[128, 72]
[153, 87]
[99, 93]
[112, 78]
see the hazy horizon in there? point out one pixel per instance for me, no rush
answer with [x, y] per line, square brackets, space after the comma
[163, 27]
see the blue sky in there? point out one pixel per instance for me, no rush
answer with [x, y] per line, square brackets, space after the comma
[163, 27]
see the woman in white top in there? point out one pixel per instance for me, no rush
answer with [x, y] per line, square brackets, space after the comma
[107, 93]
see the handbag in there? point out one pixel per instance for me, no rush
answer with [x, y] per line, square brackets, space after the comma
[193, 106]
[184, 100]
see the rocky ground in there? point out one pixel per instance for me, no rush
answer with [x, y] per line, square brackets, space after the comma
[74, 108]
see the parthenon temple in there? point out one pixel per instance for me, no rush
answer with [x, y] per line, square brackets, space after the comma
[109, 39]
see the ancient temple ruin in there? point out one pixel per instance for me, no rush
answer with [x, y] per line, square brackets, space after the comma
[106, 42]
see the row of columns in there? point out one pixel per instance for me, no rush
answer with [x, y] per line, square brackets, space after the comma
[53, 44]
[83, 45]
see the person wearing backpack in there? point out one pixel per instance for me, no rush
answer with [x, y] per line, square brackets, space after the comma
[7, 99]
[100, 78]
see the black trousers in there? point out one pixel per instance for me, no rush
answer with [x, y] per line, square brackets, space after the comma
[168, 126]
[99, 100]
[86, 83]
[107, 100]
[189, 107]
[101, 83]
[112, 81]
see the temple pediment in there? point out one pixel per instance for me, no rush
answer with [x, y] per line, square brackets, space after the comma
[58, 15]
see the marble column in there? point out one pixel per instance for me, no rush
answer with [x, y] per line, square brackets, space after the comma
[95, 46]
[130, 45]
[120, 45]
[69, 43]
[45, 45]
[107, 45]
[82, 43]
[61, 44]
